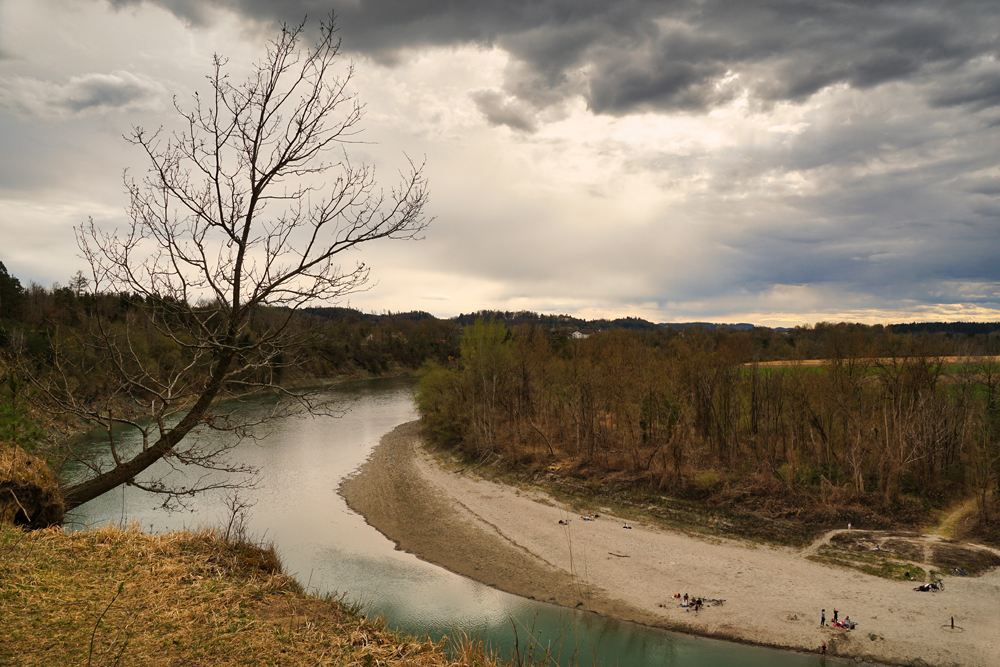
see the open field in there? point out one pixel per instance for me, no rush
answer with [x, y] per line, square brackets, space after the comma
[957, 362]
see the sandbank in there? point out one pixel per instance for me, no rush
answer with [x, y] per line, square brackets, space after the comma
[511, 538]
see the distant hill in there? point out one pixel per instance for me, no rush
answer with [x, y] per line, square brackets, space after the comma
[953, 328]
[711, 326]
[570, 322]
[514, 318]
[339, 313]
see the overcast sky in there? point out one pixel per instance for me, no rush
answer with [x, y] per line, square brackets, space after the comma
[781, 163]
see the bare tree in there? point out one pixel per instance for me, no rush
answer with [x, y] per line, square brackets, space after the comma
[78, 284]
[240, 222]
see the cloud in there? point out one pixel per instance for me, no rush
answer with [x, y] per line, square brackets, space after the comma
[978, 90]
[86, 94]
[191, 12]
[692, 157]
[501, 111]
[641, 55]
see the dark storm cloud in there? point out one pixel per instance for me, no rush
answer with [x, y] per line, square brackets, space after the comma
[654, 55]
[979, 91]
[669, 71]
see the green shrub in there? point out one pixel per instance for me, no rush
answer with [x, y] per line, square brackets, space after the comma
[16, 428]
[706, 481]
[439, 402]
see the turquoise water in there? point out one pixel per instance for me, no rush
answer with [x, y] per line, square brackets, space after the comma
[331, 549]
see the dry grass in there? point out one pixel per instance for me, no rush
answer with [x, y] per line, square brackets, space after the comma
[28, 489]
[878, 564]
[15, 463]
[110, 596]
[973, 560]
[812, 363]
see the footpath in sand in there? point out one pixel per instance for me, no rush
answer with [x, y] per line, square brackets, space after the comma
[512, 539]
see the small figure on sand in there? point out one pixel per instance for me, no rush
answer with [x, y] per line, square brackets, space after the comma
[823, 650]
[627, 526]
[563, 523]
[822, 617]
[834, 614]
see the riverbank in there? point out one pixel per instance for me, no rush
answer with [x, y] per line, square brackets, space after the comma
[511, 538]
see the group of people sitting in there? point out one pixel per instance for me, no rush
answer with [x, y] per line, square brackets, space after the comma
[690, 603]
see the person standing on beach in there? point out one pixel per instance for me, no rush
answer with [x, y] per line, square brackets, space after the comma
[822, 617]
[834, 615]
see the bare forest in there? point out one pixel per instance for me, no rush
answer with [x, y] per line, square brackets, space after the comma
[882, 431]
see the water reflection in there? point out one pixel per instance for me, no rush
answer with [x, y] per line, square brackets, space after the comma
[331, 549]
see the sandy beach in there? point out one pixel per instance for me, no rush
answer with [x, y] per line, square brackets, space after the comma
[511, 538]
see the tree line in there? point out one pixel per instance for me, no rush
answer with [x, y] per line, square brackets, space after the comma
[881, 431]
[38, 320]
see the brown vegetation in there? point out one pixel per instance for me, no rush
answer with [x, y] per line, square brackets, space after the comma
[874, 437]
[110, 596]
[29, 494]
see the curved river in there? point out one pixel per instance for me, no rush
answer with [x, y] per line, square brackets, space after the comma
[330, 549]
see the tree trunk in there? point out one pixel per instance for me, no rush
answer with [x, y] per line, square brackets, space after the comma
[85, 491]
